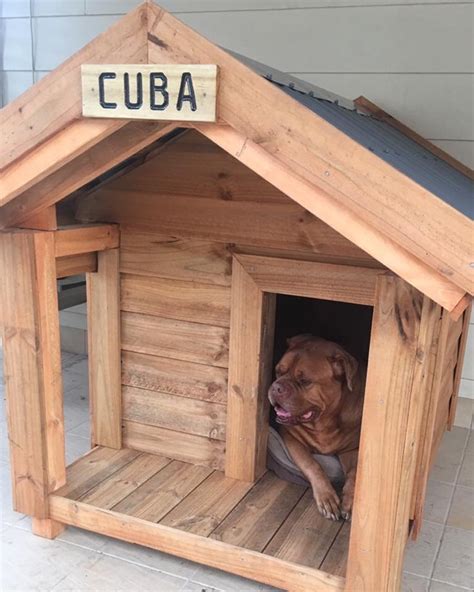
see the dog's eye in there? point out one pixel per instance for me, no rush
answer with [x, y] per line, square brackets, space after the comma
[305, 382]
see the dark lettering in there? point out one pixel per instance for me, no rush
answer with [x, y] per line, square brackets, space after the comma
[102, 77]
[186, 92]
[126, 84]
[158, 88]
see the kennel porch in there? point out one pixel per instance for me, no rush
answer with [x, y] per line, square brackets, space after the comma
[188, 232]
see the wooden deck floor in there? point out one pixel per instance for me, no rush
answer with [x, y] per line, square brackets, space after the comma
[272, 517]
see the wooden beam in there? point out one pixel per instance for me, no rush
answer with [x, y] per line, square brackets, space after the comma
[44, 220]
[103, 318]
[76, 264]
[372, 109]
[251, 327]
[340, 283]
[32, 363]
[396, 391]
[461, 306]
[459, 366]
[244, 562]
[110, 151]
[77, 240]
[55, 101]
[351, 226]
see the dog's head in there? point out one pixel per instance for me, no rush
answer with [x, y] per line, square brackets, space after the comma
[310, 379]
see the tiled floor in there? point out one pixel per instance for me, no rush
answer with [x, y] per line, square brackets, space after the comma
[441, 560]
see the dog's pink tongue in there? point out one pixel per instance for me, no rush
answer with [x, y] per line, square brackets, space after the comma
[282, 412]
[307, 415]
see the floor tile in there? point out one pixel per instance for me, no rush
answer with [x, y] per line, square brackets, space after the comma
[149, 558]
[443, 587]
[438, 497]
[7, 514]
[464, 412]
[83, 430]
[455, 559]
[83, 538]
[76, 446]
[109, 574]
[466, 474]
[461, 513]
[213, 578]
[449, 456]
[32, 563]
[420, 555]
[195, 587]
[411, 583]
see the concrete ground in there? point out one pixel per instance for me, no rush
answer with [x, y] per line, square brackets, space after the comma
[441, 560]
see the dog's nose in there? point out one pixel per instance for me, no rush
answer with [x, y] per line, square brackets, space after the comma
[281, 389]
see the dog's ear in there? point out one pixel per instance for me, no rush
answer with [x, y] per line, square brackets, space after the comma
[298, 340]
[344, 367]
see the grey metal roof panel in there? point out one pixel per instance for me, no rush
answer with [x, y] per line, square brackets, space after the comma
[388, 143]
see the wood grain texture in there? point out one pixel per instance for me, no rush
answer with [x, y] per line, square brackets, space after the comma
[255, 520]
[305, 536]
[335, 561]
[44, 220]
[85, 239]
[207, 505]
[125, 481]
[278, 225]
[76, 264]
[32, 368]
[252, 324]
[263, 568]
[174, 413]
[176, 299]
[178, 445]
[46, 528]
[171, 257]
[340, 283]
[395, 397]
[183, 379]
[122, 142]
[55, 101]
[103, 319]
[459, 367]
[182, 340]
[161, 493]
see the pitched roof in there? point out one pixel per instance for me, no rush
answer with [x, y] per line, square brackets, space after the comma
[370, 182]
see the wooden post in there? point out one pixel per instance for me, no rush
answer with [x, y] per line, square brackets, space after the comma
[398, 386]
[103, 312]
[32, 370]
[250, 354]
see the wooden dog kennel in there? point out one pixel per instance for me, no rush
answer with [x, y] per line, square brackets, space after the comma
[187, 229]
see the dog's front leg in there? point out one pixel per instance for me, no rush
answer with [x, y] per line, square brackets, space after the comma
[326, 498]
[349, 464]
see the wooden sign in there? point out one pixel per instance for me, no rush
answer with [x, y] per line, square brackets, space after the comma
[174, 92]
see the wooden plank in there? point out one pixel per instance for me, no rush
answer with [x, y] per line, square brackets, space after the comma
[186, 447]
[85, 239]
[278, 225]
[207, 505]
[103, 321]
[373, 109]
[196, 167]
[243, 562]
[370, 238]
[458, 372]
[335, 561]
[46, 528]
[161, 493]
[55, 101]
[341, 283]
[126, 480]
[151, 253]
[32, 368]
[260, 514]
[43, 220]
[252, 323]
[182, 340]
[138, 83]
[176, 299]
[111, 150]
[395, 397]
[183, 379]
[174, 413]
[76, 264]
[305, 537]
[90, 470]
[460, 307]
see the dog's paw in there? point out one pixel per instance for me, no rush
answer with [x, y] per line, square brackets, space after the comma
[346, 506]
[346, 515]
[328, 502]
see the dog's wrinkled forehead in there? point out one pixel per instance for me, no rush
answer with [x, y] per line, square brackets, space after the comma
[309, 360]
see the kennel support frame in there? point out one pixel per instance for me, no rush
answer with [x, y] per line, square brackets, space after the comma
[404, 322]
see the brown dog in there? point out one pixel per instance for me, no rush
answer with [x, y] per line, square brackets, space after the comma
[318, 397]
